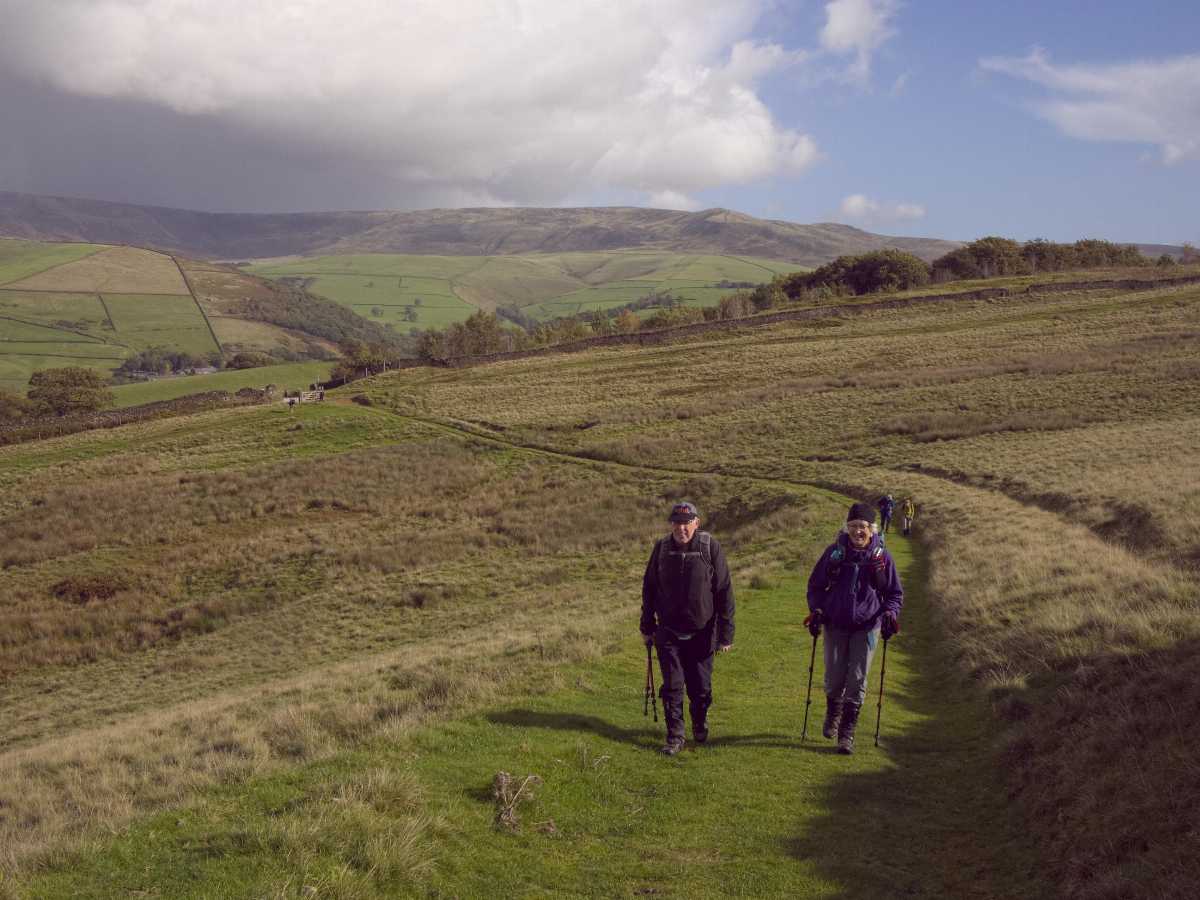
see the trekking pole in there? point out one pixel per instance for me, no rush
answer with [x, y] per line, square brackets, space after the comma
[651, 698]
[879, 708]
[812, 662]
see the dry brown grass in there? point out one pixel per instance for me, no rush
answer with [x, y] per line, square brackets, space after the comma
[1058, 434]
[116, 270]
[190, 607]
[1081, 638]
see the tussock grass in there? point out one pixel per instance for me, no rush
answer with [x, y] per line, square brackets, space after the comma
[222, 608]
[1059, 556]
[1058, 570]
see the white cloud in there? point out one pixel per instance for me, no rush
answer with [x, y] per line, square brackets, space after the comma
[1151, 102]
[860, 27]
[517, 101]
[673, 200]
[861, 208]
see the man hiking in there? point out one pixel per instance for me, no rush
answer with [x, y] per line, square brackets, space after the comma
[908, 510]
[886, 506]
[854, 593]
[687, 614]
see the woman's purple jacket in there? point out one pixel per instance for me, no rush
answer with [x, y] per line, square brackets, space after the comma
[852, 602]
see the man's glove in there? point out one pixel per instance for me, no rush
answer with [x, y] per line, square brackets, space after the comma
[889, 624]
[813, 622]
[648, 639]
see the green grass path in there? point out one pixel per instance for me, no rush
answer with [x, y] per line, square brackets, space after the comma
[754, 813]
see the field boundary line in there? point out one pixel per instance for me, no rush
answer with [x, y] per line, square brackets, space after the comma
[107, 311]
[60, 355]
[191, 290]
[99, 248]
[750, 263]
[10, 290]
[93, 339]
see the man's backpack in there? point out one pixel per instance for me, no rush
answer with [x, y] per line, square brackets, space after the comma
[673, 561]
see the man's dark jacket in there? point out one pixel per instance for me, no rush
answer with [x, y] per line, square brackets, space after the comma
[684, 594]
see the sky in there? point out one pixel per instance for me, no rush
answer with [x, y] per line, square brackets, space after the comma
[1060, 119]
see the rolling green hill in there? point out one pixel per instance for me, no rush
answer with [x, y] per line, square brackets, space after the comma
[409, 292]
[288, 653]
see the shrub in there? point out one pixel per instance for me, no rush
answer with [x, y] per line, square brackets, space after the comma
[868, 273]
[72, 389]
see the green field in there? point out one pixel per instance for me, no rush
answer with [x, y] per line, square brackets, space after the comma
[545, 286]
[20, 259]
[286, 377]
[96, 329]
[141, 322]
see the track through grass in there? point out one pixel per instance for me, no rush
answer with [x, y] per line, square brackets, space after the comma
[754, 813]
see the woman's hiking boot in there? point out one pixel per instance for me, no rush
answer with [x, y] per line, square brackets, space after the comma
[833, 718]
[846, 727]
[673, 745]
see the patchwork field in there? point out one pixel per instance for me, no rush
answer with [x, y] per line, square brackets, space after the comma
[256, 652]
[410, 292]
[95, 306]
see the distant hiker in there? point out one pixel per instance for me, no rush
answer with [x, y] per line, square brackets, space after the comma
[291, 403]
[886, 505]
[908, 510]
[854, 593]
[687, 614]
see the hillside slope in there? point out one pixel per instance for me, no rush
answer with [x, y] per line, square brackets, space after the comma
[452, 232]
[225, 635]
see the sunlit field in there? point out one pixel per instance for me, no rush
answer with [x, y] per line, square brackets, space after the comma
[424, 292]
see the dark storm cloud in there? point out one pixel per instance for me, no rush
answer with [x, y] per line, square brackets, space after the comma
[215, 104]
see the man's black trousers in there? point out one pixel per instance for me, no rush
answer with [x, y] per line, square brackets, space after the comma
[685, 665]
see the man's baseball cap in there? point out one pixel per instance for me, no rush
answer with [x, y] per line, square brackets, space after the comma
[684, 511]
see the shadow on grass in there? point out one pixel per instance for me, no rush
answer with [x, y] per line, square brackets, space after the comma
[650, 736]
[936, 822]
[1107, 774]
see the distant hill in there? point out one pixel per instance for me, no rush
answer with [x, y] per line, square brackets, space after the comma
[451, 232]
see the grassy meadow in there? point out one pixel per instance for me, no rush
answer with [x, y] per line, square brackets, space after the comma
[95, 306]
[410, 292]
[285, 377]
[92, 306]
[261, 652]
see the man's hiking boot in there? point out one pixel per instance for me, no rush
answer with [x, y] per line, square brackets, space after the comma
[833, 718]
[699, 733]
[846, 728]
[672, 746]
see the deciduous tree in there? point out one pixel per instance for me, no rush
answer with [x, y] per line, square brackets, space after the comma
[68, 390]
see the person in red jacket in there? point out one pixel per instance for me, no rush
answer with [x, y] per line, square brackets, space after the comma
[854, 593]
[687, 613]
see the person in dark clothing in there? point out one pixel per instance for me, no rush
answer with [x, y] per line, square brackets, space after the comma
[687, 614]
[854, 593]
[886, 506]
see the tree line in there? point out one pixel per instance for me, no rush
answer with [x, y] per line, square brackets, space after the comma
[879, 271]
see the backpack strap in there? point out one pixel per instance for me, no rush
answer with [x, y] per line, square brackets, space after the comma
[701, 544]
[704, 540]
